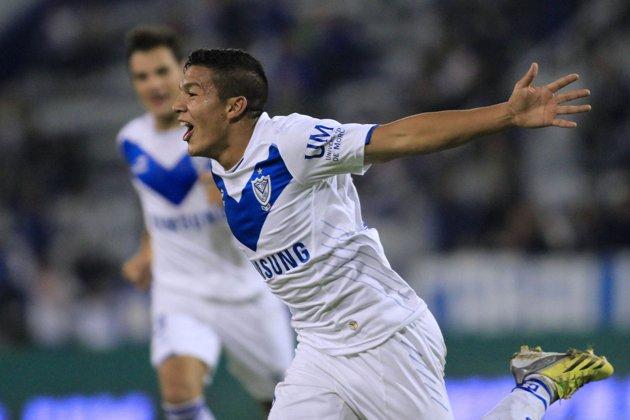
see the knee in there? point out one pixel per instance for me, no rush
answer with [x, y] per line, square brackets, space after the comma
[181, 379]
[178, 391]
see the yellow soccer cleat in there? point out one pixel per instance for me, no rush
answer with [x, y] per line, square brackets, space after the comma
[566, 372]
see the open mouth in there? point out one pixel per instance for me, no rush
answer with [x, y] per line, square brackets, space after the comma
[189, 130]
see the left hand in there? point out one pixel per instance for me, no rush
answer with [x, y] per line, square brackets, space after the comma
[137, 270]
[540, 106]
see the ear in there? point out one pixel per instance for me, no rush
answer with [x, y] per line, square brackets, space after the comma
[236, 107]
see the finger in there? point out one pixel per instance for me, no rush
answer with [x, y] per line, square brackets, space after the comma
[529, 76]
[130, 275]
[146, 282]
[132, 278]
[563, 123]
[143, 285]
[573, 109]
[562, 82]
[572, 94]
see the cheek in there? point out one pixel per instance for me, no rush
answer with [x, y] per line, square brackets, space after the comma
[196, 114]
[201, 113]
[214, 123]
[141, 90]
[174, 85]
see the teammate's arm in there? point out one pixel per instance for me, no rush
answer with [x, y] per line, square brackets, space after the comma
[137, 269]
[529, 106]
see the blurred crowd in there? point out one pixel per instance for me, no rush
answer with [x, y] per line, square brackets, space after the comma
[68, 215]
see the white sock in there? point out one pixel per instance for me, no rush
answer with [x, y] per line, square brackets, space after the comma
[527, 401]
[190, 410]
[538, 389]
[520, 404]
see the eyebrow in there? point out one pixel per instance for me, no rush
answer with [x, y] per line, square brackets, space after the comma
[188, 85]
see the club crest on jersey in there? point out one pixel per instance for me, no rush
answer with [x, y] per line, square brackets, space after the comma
[262, 190]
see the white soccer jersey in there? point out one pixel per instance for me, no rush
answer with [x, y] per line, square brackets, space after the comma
[292, 206]
[191, 244]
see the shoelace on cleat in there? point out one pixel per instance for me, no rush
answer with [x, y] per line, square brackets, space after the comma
[571, 379]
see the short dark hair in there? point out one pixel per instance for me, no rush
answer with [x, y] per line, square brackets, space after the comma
[145, 38]
[236, 73]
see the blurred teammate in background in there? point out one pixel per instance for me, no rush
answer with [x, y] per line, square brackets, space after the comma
[204, 293]
[368, 346]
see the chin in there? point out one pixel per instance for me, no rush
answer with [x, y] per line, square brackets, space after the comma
[196, 150]
[193, 151]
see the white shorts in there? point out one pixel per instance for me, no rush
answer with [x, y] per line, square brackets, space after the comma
[403, 378]
[255, 334]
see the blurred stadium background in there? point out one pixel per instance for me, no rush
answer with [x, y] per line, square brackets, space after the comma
[520, 238]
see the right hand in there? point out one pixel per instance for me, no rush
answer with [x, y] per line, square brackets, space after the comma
[137, 270]
[542, 106]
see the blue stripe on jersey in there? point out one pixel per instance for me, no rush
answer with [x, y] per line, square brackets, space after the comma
[247, 216]
[368, 136]
[173, 184]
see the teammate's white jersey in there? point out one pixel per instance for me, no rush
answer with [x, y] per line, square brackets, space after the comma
[292, 206]
[192, 248]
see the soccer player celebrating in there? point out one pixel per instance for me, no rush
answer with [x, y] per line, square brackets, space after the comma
[368, 346]
[204, 293]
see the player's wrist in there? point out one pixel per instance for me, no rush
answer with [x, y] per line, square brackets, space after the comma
[507, 116]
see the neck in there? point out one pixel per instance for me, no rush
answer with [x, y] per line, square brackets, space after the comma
[239, 138]
[163, 123]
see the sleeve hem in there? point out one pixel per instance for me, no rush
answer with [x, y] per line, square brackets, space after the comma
[368, 136]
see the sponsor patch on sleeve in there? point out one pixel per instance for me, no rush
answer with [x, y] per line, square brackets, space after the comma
[324, 142]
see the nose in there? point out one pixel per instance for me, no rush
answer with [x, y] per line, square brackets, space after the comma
[179, 106]
[155, 83]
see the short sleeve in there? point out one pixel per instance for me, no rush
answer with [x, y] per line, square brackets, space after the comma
[314, 149]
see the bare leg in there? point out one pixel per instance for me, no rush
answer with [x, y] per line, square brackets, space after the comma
[181, 384]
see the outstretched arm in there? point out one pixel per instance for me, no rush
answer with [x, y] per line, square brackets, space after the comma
[529, 106]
